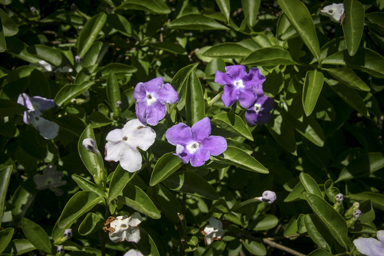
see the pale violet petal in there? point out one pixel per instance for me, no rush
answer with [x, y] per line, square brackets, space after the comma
[133, 252]
[215, 223]
[47, 129]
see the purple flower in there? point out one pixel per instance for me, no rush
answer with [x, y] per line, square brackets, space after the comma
[33, 115]
[194, 143]
[238, 85]
[371, 246]
[151, 98]
[259, 112]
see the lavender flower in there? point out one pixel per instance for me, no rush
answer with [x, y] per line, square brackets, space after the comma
[33, 115]
[151, 98]
[195, 144]
[238, 85]
[259, 112]
[371, 246]
[78, 59]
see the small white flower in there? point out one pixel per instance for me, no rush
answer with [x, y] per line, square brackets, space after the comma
[122, 228]
[49, 179]
[123, 144]
[334, 12]
[133, 252]
[268, 196]
[213, 231]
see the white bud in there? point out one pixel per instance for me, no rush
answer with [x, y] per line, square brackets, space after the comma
[357, 213]
[33, 9]
[79, 28]
[269, 197]
[89, 144]
[68, 233]
[339, 197]
[119, 104]
[60, 249]
[78, 59]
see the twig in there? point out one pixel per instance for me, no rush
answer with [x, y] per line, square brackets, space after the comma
[181, 225]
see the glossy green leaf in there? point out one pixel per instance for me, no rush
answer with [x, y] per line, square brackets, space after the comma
[225, 8]
[180, 81]
[77, 206]
[296, 193]
[70, 91]
[119, 181]
[265, 222]
[353, 25]
[19, 247]
[89, 33]
[330, 190]
[348, 77]
[120, 23]
[117, 69]
[251, 9]
[39, 85]
[89, 159]
[167, 202]
[36, 235]
[377, 199]
[314, 233]
[227, 50]
[291, 227]
[195, 103]
[313, 84]
[5, 238]
[271, 56]
[320, 252]
[86, 185]
[164, 167]
[5, 176]
[94, 54]
[232, 123]
[153, 6]
[113, 93]
[375, 22]
[8, 107]
[136, 198]
[90, 224]
[49, 54]
[10, 28]
[216, 64]
[196, 22]
[254, 247]
[18, 48]
[3, 42]
[332, 219]
[310, 184]
[301, 20]
[240, 158]
[146, 245]
[189, 182]
[170, 47]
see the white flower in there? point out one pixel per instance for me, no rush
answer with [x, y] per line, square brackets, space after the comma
[132, 252]
[123, 144]
[371, 246]
[334, 11]
[213, 231]
[50, 179]
[122, 228]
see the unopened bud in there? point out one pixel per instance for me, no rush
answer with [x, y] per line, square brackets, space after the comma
[357, 213]
[73, 7]
[79, 28]
[339, 197]
[119, 104]
[68, 233]
[349, 213]
[269, 197]
[89, 144]
[60, 249]
[33, 9]
[78, 59]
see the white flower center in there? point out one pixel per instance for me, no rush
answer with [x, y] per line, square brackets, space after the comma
[150, 99]
[257, 107]
[192, 147]
[239, 84]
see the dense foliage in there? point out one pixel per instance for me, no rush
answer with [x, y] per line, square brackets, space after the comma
[170, 125]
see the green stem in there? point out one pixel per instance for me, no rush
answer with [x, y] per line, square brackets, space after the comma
[181, 225]
[103, 235]
[218, 96]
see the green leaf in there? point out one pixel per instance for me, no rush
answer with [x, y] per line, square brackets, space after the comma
[49, 54]
[153, 6]
[36, 235]
[78, 205]
[189, 182]
[301, 20]
[313, 85]
[348, 77]
[180, 81]
[225, 8]
[265, 222]
[164, 167]
[375, 22]
[146, 245]
[89, 159]
[332, 219]
[116, 68]
[167, 202]
[5, 176]
[5, 238]
[350, 96]
[330, 190]
[86, 185]
[232, 123]
[270, 56]
[227, 50]
[353, 26]
[250, 9]
[310, 184]
[70, 91]
[136, 198]
[113, 93]
[39, 85]
[240, 158]
[314, 233]
[18, 48]
[91, 223]
[94, 54]
[9, 108]
[89, 33]
[196, 22]
[170, 46]
[195, 103]
[368, 213]
[254, 247]
[5, 2]
[377, 199]
[296, 193]
[19, 247]
[119, 181]
[97, 120]
[72, 124]
[120, 23]
[10, 28]
[3, 42]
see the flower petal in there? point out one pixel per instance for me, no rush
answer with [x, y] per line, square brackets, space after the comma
[215, 145]
[179, 134]
[369, 246]
[236, 72]
[139, 92]
[135, 220]
[141, 111]
[266, 103]
[155, 112]
[113, 150]
[131, 126]
[254, 79]
[247, 98]
[201, 129]
[229, 96]
[133, 235]
[143, 137]
[115, 136]
[130, 160]
[47, 129]
[154, 84]
[41, 104]
[182, 153]
[24, 100]
[209, 238]
[118, 236]
[167, 94]
[223, 78]
[199, 157]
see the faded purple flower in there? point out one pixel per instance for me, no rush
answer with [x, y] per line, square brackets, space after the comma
[259, 112]
[151, 99]
[194, 143]
[50, 178]
[33, 115]
[238, 85]
[371, 246]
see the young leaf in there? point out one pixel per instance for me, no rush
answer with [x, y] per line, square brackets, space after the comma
[310, 184]
[195, 103]
[89, 33]
[5, 175]
[353, 26]
[313, 85]
[5, 238]
[164, 167]
[196, 22]
[119, 181]
[36, 235]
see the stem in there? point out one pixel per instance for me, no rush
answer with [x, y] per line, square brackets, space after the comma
[181, 225]
[103, 235]
[218, 96]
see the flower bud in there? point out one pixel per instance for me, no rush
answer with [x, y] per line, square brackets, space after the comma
[269, 197]
[339, 197]
[78, 59]
[60, 249]
[73, 7]
[89, 144]
[79, 28]
[33, 9]
[68, 233]
[119, 104]
[357, 213]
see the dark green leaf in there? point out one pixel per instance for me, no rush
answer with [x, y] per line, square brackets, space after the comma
[164, 167]
[250, 9]
[120, 179]
[70, 91]
[94, 54]
[10, 28]
[353, 25]
[377, 199]
[313, 85]
[271, 56]
[36, 235]
[89, 159]
[320, 252]
[348, 77]
[170, 47]
[72, 124]
[314, 233]
[196, 22]
[310, 184]
[180, 81]
[240, 158]
[86, 185]
[89, 33]
[49, 54]
[265, 222]
[153, 6]
[113, 93]
[146, 245]
[8, 108]
[5, 238]
[91, 223]
[5, 175]
[195, 103]
[39, 85]
[97, 120]
[225, 8]
[254, 247]
[117, 69]
[227, 50]
[19, 247]
[232, 123]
